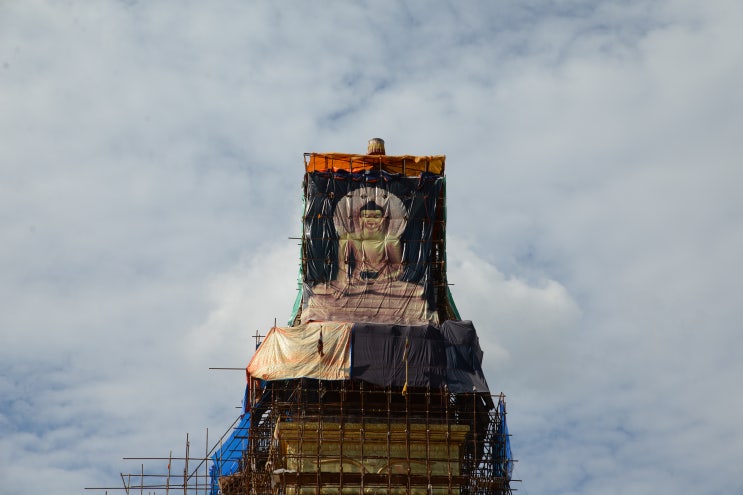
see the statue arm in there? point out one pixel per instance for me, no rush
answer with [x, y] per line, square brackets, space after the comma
[343, 260]
[393, 248]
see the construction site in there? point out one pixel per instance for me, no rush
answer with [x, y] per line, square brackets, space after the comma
[375, 385]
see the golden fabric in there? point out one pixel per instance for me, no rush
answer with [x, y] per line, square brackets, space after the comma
[313, 350]
[403, 164]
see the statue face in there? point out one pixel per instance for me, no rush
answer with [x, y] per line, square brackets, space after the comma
[371, 220]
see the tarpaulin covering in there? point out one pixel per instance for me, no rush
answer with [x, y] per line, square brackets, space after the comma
[314, 350]
[226, 460]
[405, 164]
[419, 356]
[385, 355]
[367, 247]
[463, 357]
[382, 354]
[503, 455]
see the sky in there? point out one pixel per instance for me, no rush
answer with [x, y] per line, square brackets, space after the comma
[150, 187]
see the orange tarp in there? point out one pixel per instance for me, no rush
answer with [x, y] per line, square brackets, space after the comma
[320, 350]
[404, 164]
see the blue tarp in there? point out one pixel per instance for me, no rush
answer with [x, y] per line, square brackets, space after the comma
[503, 457]
[226, 460]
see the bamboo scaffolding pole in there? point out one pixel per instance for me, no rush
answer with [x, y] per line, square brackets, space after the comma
[167, 484]
[404, 430]
[389, 440]
[185, 468]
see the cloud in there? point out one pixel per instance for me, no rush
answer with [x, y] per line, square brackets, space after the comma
[248, 298]
[520, 323]
[150, 176]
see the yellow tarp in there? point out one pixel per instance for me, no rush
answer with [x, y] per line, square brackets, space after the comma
[404, 164]
[297, 352]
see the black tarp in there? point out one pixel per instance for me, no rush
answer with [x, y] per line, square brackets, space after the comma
[436, 356]
[463, 357]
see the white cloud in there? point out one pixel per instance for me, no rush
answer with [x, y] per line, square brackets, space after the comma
[151, 164]
[251, 297]
[526, 329]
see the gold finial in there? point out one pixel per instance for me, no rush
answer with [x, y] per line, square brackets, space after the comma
[375, 147]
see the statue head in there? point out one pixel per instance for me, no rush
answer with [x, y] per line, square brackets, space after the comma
[371, 218]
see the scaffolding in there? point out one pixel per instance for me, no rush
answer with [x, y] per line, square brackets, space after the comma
[308, 437]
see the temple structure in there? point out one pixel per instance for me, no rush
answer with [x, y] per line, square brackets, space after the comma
[375, 385]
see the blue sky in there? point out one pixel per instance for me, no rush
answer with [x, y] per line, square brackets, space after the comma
[150, 171]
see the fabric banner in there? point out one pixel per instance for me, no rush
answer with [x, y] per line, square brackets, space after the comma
[313, 350]
[367, 247]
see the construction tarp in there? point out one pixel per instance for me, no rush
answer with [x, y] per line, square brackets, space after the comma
[503, 456]
[463, 357]
[385, 355]
[419, 356]
[318, 350]
[395, 355]
[367, 247]
[226, 460]
[404, 164]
